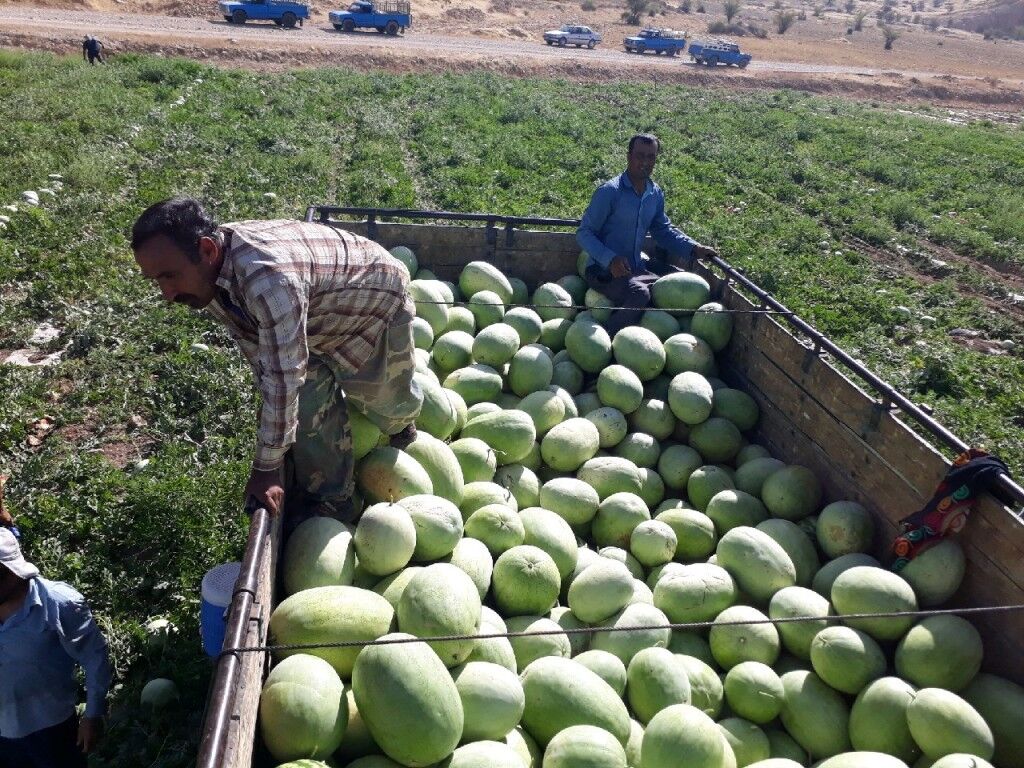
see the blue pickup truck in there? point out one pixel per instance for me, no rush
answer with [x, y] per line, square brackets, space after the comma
[284, 13]
[387, 17]
[667, 41]
[719, 52]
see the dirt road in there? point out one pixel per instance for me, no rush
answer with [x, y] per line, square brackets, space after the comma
[319, 44]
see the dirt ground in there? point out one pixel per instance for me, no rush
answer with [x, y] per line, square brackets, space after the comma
[945, 66]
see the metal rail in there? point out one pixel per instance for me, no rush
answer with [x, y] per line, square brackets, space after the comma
[224, 685]
[1005, 487]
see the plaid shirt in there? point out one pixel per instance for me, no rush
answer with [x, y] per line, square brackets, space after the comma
[288, 290]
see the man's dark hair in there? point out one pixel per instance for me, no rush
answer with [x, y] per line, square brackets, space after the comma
[645, 138]
[181, 219]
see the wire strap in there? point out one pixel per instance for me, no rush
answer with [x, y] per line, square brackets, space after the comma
[593, 630]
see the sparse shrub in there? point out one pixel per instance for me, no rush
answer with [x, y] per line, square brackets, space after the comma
[777, 5]
[731, 8]
[932, 24]
[700, 8]
[917, 18]
[783, 20]
[850, 5]
[802, 15]
[891, 35]
[635, 9]
[685, 6]
[588, 5]
[818, 11]
[718, 28]
[759, 32]
[858, 21]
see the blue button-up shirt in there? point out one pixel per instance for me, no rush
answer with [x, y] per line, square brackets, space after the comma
[39, 647]
[618, 219]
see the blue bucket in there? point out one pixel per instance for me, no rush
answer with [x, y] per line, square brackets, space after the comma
[218, 586]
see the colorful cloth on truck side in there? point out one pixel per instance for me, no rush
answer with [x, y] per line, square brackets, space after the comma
[952, 503]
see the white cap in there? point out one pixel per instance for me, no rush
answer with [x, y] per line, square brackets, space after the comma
[11, 557]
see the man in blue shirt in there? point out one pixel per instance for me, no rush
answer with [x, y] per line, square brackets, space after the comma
[46, 629]
[621, 213]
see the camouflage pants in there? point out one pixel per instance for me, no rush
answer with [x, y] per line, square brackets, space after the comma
[383, 389]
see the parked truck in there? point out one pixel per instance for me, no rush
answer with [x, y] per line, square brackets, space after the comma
[719, 52]
[389, 17]
[667, 41]
[284, 13]
[819, 408]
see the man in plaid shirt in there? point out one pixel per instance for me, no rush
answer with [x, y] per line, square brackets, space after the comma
[324, 319]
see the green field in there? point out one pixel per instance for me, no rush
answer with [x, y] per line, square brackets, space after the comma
[782, 183]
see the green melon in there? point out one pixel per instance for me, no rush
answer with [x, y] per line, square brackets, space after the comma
[760, 566]
[1001, 703]
[483, 754]
[690, 643]
[391, 587]
[785, 748]
[620, 388]
[706, 692]
[680, 291]
[653, 417]
[572, 499]
[792, 493]
[545, 408]
[878, 719]
[695, 593]
[611, 425]
[441, 465]
[589, 345]
[437, 417]
[864, 589]
[569, 376]
[520, 293]
[479, 494]
[690, 397]
[496, 525]
[438, 525]
[526, 322]
[441, 600]
[331, 615]
[460, 319]
[492, 700]
[829, 572]
[844, 527]
[487, 308]
[408, 701]
[319, 553]
[431, 304]
[937, 572]
[553, 333]
[388, 474]
[684, 352]
[561, 693]
[942, 724]
[639, 448]
[525, 581]
[753, 691]
[473, 557]
[733, 642]
[730, 509]
[816, 716]
[568, 445]
[535, 642]
[705, 482]
[646, 630]
[940, 652]
[652, 487]
[794, 602]
[655, 680]
[495, 345]
[640, 350]
[661, 323]
[303, 709]
[847, 659]
[712, 324]
[475, 383]
[748, 742]
[510, 434]
[422, 333]
[609, 475]
[607, 666]
[798, 546]
[676, 464]
[584, 746]
[575, 285]
[599, 305]
[385, 539]
[616, 518]
[695, 532]
[863, 760]
[750, 475]
[552, 302]
[481, 276]
[365, 434]
[682, 735]
[751, 451]
[653, 543]
[600, 590]
[736, 406]
[550, 532]
[477, 460]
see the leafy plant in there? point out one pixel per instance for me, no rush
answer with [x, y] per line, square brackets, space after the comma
[891, 35]
[635, 9]
[730, 8]
[783, 20]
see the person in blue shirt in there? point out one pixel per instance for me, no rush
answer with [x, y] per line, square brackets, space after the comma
[621, 213]
[46, 629]
[92, 48]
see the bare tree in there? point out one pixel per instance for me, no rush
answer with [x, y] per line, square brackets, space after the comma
[783, 21]
[731, 8]
[891, 36]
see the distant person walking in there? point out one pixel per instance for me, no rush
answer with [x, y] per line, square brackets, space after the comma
[621, 213]
[93, 50]
[46, 630]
